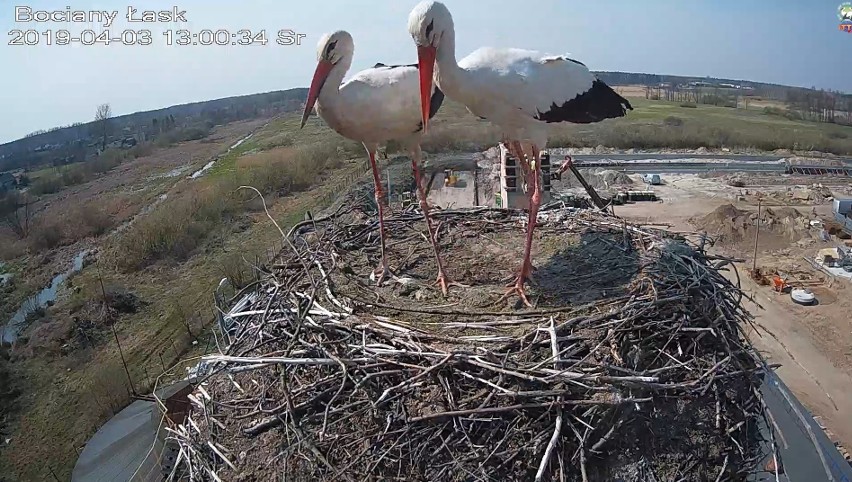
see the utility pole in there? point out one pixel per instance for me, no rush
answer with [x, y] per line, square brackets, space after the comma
[756, 234]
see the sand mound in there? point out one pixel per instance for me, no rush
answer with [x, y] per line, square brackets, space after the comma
[613, 178]
[734, 225]
[598, 178]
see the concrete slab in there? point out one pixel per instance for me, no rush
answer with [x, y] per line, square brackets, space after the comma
[121, 447]
[800, 441]
[460, 195]
[127, 447]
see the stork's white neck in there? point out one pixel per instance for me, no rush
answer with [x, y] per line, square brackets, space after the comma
[448, 74]
[331, 88]
[328, 101]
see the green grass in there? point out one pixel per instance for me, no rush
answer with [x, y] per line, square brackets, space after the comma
[177, 228]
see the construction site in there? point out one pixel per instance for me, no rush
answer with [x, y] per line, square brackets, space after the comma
[685, 327]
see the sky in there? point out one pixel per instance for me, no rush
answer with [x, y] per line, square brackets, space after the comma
[793, 42]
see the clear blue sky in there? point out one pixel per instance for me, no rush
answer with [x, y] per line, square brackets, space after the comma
[792, 42]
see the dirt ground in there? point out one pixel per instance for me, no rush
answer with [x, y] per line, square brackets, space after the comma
[120, 194]
[132, 185]
[811, 343]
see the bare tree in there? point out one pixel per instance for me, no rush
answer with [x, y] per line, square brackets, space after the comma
[102, 120]
[15, 213]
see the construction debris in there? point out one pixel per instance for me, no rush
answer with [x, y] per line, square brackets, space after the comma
[328, 377]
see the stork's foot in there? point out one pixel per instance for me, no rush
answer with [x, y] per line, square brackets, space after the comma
[517, 288]
[444, 283]
[381, 273]
[527, 276]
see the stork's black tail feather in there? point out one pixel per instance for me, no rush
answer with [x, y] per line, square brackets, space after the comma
[594, 105]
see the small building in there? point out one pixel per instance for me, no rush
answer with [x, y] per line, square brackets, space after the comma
[511, 181]
[842, 206]
[453, 183]
[829, 256]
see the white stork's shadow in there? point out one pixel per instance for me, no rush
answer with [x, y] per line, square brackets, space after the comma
[598, 266]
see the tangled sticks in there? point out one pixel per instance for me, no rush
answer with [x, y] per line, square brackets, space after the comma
[655, 383]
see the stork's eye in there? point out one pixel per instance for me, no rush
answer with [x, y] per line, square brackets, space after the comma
[329, 48]
[430, 27]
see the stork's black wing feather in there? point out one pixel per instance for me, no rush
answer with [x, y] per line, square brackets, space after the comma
[392, 66]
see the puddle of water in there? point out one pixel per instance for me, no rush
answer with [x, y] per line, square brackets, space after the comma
[14, 325]
[147, 209]
[200, 172]
[176, 172]
[173, 173]
[237, 144]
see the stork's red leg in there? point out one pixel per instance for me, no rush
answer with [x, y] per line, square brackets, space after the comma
[532, 177]
[382, 270]
[442, 279]
[534, 196]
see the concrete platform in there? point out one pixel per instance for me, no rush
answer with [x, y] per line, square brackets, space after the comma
[128, 447]
[800, 442]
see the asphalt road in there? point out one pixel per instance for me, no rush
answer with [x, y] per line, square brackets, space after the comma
[687, 167]
[670, 157]
[682, 163]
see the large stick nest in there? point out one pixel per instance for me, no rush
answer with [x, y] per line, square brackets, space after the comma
[633, 365]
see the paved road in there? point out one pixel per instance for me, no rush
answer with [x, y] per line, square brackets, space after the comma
[671, 157]
[687, 167]
[684, 163]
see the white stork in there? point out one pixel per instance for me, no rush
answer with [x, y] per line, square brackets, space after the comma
[375, 106]
[519, 90]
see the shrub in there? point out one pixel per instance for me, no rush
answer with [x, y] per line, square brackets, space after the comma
[45, 236]
[719, 100]
[73, 175]
[672, 121]
[194, 133]
[47, 184]
[84, 221]
[182, 135]
[8, 385]
[109, 390]
[172, 231]
[237, 270]
[785, 113]
[106, 161]
[281, 140]
[141, 150]
[178, 227]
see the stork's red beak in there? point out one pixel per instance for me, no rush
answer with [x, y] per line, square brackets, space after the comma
[323, 69]
[426, 66]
